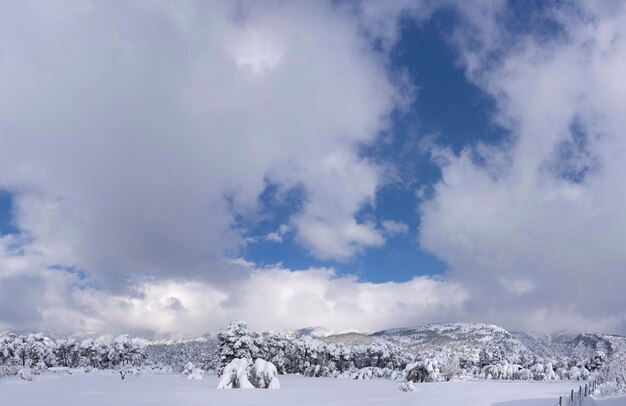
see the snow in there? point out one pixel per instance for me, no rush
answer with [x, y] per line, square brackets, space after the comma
[160, 390]
[620, 401]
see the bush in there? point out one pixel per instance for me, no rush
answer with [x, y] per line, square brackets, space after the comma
[241, 373]
[407, 387]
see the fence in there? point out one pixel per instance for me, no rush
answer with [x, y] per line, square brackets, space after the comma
[577, 397]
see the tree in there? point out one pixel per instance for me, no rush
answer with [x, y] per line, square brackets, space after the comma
[449, 366]
[234, 342]
[124, 354]
[614, 372]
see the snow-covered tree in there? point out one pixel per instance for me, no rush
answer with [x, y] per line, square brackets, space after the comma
[449, 366]
[234, 342]
[67, 353]
[596, 362]
[202, 353]
[124, 352]
[613, 373]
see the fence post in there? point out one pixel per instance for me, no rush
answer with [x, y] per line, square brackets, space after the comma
[560, 400]
[580, 395]
[572, 397]
[585, 390]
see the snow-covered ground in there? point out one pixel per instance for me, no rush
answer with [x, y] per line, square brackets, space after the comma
[160, 390]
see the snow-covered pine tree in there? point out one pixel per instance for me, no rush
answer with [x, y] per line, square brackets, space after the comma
[235, 342]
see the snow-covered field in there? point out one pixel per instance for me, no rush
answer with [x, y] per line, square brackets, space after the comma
[159, 390]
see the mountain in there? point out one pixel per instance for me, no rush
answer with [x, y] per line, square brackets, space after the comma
[148, 339]
[321, 332]
[568, 344]
[469, 338]
[348, 338]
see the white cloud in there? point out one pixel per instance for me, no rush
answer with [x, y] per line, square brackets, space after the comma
[132, 133]
[278, 235]
[258, 50]
[272, 298]
[274, 236]
[543, 216]
[286, 299]
[395, 228]
[326, 225]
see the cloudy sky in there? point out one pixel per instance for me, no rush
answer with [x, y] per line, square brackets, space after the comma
[166, 167]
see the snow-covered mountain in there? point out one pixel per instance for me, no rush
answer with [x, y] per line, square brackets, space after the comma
[569, 344]
[469, 338]
[348, 338]
[321, 332]
[176, 339]
[148, 339]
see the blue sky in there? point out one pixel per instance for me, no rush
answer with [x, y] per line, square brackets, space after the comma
[6, 215]
[449, 109]
[360, 164]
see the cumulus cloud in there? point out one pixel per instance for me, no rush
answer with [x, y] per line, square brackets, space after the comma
[134, 133]
[134, 136]
[533, 226]
[287, 299]
[34, 296]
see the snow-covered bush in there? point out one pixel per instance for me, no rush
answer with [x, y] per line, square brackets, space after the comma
[264, 375]
[407, 387]
[373, 372]
[193, 373]
[26, 374]
[242, 373]
[196, 375]
[421, 371]
[235, 375]
[188, 369]
[523, 374]
[577, 374]
[316, 371]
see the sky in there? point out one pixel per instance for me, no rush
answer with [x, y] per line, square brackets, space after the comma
[166, 167]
